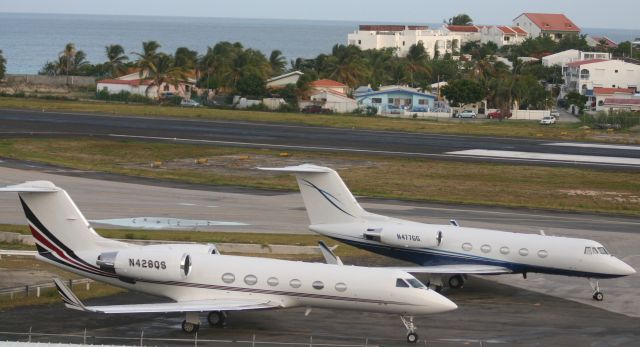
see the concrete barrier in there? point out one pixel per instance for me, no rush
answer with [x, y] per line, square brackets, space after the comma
[7, 237]
[52, 81]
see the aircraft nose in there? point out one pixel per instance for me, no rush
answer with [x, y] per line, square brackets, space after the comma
[625, 269]
[439, 303]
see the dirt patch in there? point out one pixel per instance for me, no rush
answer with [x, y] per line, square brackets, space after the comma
[246, 164]
[606, 196]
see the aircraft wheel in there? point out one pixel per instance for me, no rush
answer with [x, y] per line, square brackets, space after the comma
[438, 289]
[412, 337]
[217, 319]
[456, 282]
[598, 296]
[190, 328]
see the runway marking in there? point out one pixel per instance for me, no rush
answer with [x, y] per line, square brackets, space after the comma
[457, 155]
[186, 204]
[571, 158]
[593, 145]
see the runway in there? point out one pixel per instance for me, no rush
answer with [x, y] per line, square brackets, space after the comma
[297, 137]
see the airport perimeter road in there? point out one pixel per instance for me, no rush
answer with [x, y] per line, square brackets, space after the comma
[294, 137]
[488, 314]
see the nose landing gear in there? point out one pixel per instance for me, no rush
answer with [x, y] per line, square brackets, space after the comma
[597, 294]
[412, 336]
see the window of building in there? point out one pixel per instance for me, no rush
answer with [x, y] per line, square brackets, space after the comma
[228, 278]
[187, 88]
[166, 87]
[391, 100]
[506, 38]
[584, 74]
[341, 287]
[359, 42]
[403, 43]
[542, 253]
[485, 248]
[272, 281]
[422, 102]
[376, 100]
[317, 285]
[400, 283]
[295, 283]
[504, 250]
[467, 246]
[250, 279]
[616, 71]
[523, 252]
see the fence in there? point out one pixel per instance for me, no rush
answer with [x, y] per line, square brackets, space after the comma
[86, 338]
[53, 81]
[36, 288]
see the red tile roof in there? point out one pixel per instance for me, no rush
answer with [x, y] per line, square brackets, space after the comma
[327, 83]
[601, 90]
[552, 22]
[463, 28]
[136, 82]
[607, 41]
[621, 101]
[506, 30]
[519, 30]
[585, 62]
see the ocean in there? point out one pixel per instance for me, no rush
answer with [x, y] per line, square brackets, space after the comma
[29, 40]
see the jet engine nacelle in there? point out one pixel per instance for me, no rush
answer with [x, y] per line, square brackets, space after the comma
[411, 239]
[154, 263]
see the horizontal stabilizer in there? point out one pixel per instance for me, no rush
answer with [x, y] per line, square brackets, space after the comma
[31, 187]
[457, 269]
[304, 168]
[71, 301]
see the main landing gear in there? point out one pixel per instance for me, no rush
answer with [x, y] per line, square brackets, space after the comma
[597, 294]
[456, 282]
[191, 324]
[412, 337]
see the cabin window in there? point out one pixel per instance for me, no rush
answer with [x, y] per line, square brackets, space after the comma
[317, 285]
[542, 253]
[341, 287]
[400, 283]
[228, 278]
[250, 279]
[467, 246]
[485, 248]
[504, 250]
[415, 283]
[587, 250]
[295, 283]
[523, 252]
[272, 281]
[602, 250]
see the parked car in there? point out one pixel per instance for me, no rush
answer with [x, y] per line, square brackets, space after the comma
[467, 114]
[548, 120]
[189, 103]
[555, 114]
[316, 109]
[497, 115]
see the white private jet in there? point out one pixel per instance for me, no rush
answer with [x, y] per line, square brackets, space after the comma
[199, 279]
[450, 252]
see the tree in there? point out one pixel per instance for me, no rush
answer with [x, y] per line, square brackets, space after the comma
[277, 61]
[3, 65]
[463, 91]
[251, 85]
[574, 98]
[163, 71]
[185, 58]
[418, 72]
[346, 64]
[461, 19]
[116, 60]
[148, 57]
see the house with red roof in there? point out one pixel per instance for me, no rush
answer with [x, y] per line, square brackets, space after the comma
[554, 25]
[326, 84]
[140, 84]
[503, 35]
[467, 33]
[601, 42]
[601, 94]
[584, 76]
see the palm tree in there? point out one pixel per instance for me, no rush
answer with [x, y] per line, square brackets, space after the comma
[416, 66]
[116, 60]
[163, 71]
[347, 65]
[3, 65]
[380, 61]
[66, 58]
[186, 58]
[147, 59]
[277, 61]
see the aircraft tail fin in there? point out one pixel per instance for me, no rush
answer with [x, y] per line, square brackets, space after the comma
[55, 221]
[326, 197]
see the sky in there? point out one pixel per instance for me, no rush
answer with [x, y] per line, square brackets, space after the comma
[615, 14]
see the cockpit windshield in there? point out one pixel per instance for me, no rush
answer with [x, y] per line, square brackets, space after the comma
[602, 250]
[594, 250]
[400, 283]
[415, 283]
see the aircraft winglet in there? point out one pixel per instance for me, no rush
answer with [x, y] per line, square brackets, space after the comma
[31, 187]
[70, 299]
[329, 256]
[304, 168]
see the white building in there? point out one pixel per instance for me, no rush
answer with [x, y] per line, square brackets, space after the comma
[600, 95]
[402, 37]
[337, 102]
[503, 35]
[284, 80]
[585, 75]
[565, 57]
[467, 33]
[553, 25]
[331, 85]
[136, 84]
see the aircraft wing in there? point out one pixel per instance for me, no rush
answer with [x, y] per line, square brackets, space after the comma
[72, 301]
[457, 269]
